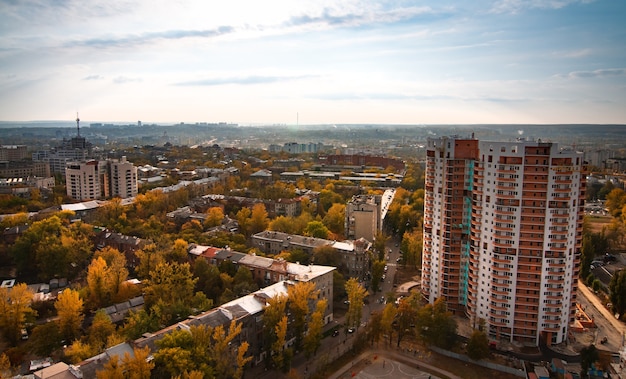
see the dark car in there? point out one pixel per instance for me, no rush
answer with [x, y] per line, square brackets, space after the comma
[335, 333]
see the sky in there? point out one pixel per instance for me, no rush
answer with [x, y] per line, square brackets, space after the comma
[314, 62]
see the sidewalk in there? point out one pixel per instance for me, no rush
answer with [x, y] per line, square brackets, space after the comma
[407, 360]
[586, 292]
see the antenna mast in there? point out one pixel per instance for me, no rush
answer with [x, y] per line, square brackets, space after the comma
[77, 125]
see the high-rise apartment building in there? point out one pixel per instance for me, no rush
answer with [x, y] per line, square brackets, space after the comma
[83, 180]
[502, 234]
[122, 179]
[95, 179]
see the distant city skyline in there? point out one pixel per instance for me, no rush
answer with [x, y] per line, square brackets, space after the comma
[315, 62]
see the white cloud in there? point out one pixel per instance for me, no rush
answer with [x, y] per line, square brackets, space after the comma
[517, 6]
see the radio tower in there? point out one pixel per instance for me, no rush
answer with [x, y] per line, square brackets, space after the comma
[77, 125]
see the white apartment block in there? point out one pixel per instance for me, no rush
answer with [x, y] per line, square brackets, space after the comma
[122, 179]
[83, 180]
[502, 234]
[95, 179]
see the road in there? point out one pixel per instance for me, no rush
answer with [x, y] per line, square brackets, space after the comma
[332, 347]
[607, 324]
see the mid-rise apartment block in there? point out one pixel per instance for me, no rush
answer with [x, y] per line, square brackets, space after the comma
[502, 234]
[365, 215]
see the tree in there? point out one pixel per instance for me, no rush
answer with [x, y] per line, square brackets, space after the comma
[273, 312]
[478, 345]
[380, 241]
[5, 367]
[45, 338]
[243, 283]
[258, 218]
[100, 330]
[588, 356]
[326, 255]
[149, 257]
[178, 252]
[316, 229]
[25, 249]
[300, 294]
[113, 369]
[79, 351]
[278, 347]
[69, 308]
[212, 351]
[412, 248]
[99, 292]
[243, 219]
[437, 324]
[386, 322]
[215, 216]
[143, 321]
[209, 280]
[335, 219]
[406, 319]
[138, 366]
[114, 275]
[282, 224]
[339, 286]
[15, 310]
[313, 338]
[617, 292]
[356, 294]
[378, 268]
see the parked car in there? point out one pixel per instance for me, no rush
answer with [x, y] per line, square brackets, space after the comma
[351, 330]
[335, 333]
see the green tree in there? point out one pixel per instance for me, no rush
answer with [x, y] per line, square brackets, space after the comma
[356, 294]
[478, 345]
[378, 269]
[326, 255]
[25, 249]
[437, 324]
[212, 351]
[243, 283]
[15, 311]
[316, 229]
[69, 308]
[142, 321]
[209, 280]
[44, 339]
[407, 316]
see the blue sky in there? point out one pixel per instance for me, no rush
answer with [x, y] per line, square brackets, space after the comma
[286, 61]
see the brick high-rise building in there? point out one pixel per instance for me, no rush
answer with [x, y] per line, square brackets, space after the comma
[502, 234]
